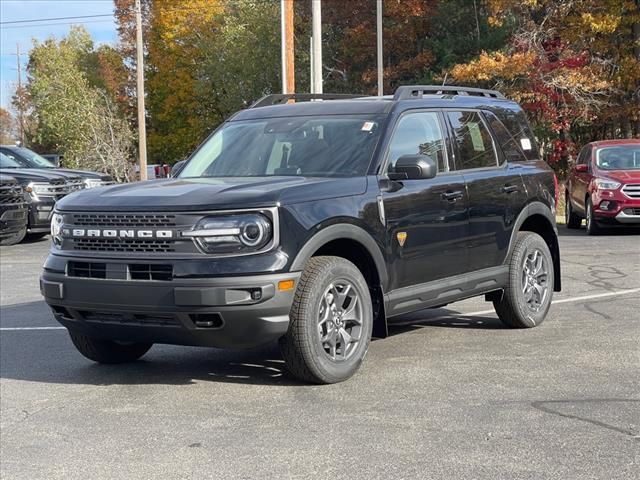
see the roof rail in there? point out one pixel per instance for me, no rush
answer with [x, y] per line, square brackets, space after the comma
[280, 98]
[406, 92]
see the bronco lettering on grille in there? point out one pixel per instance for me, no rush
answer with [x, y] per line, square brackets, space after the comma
[113, 233]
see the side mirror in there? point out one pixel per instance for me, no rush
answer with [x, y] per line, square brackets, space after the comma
[177, 168]
[414, 167]
[582, 168]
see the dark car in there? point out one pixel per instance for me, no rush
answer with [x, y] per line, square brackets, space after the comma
[314, 223]
[42, 188]
[604, 186]
[13, 211]
[29, 159]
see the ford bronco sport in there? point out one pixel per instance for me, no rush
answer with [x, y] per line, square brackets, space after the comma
[312, 223]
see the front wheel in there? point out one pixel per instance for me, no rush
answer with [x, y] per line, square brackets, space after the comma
[331, 321]
[592, 225]
[527, 297]
[108, 351]
[572, 220]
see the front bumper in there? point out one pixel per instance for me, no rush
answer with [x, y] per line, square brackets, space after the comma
[614, 208]
[40, 213]
[214, 312]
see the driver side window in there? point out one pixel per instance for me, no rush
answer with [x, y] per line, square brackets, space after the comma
[418, 134]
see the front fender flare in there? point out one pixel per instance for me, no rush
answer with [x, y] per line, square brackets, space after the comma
[343, 231]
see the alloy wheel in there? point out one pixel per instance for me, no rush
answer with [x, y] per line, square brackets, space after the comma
[340, 320]
[535, 280]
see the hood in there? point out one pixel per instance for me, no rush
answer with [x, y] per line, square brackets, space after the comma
[26, 175]
[85, 174]
[622, 176]
[192, 194]
[7, 179]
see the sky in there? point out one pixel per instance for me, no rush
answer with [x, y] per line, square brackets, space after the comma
[102, 29]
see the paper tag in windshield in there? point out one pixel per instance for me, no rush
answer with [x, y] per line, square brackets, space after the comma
[368, 126]
[526, 143]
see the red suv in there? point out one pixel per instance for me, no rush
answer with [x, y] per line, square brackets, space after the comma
[604, 186]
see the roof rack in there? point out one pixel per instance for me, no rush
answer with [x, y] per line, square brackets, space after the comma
[417, 91]
[280, 98]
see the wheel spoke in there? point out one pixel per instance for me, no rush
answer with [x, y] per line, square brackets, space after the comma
[340, 320]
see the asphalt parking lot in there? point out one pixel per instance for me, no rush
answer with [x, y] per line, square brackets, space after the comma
[450, 394]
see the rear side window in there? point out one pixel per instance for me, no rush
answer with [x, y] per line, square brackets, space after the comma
[518, 126]
[510, 148]
[472, 141]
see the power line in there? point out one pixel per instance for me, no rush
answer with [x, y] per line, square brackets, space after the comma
[54, 24]
[55, 18]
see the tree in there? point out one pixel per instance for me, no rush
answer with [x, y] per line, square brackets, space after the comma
[7, 127]
[204, 60]
[572, 65]
[74, 116]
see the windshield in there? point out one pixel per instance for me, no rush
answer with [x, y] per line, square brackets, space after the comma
[6, 162]
[327, 146]
[622, 157]
[28, 158]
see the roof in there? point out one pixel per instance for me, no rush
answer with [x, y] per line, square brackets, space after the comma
[372, 105]
[619, 141]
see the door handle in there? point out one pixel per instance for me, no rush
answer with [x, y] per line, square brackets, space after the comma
[452, 196]
[509, 189]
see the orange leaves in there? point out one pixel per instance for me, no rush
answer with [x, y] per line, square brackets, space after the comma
[176, 19]
[495, 65]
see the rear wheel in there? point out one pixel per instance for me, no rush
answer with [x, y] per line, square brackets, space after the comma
[14, 238]
[571, 219]
[527, 297]
[592, 225]
[108, 351]
[331, 322]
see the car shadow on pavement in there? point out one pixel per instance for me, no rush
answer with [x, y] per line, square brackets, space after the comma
[46, 354]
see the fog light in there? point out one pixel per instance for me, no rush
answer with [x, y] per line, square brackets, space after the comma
[285, 285]
[604, 205]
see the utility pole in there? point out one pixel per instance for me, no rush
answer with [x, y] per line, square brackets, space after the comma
[142, 129]
[287, 47]
[379, 47]
[316, 41]
[20, 98]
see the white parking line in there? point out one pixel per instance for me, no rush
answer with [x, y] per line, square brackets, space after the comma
[564, 300]
[470, 314]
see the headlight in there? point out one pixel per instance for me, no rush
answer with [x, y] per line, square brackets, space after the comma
[604, 184]
[56, 228]
[237, 233]
[35, 189]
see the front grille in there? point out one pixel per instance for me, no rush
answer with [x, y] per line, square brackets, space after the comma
[122, 220]
[632, 211]
[151, 272]
[11, 193]
[124, 245]
[134, 271]
[87, 270]
[632, 190]
[134, 319]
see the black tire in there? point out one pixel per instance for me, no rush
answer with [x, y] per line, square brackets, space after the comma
[592, 225]
[513, 309]
[302, 347]
[108, 351]
[14, 238]
[572, 220]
